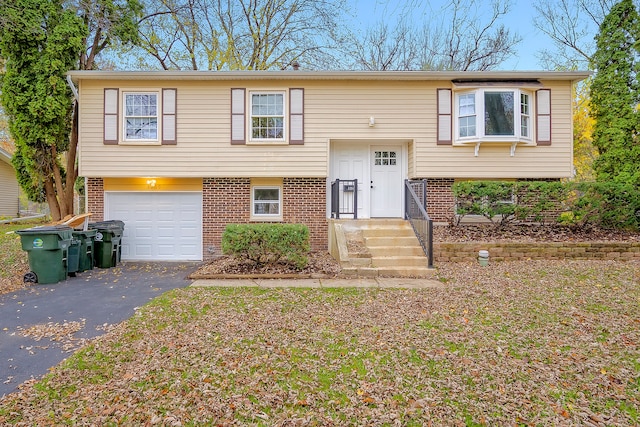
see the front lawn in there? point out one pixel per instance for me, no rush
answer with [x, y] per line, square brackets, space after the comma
[528, 343]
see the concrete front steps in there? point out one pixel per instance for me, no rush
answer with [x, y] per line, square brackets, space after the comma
[379, 247]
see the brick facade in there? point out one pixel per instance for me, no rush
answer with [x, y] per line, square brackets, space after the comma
[224, 201]
[228, 201]
[440, 200]
[95, 198]
[304, 202]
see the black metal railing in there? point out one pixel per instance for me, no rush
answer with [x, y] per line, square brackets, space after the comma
[344, 198]
[415, 212]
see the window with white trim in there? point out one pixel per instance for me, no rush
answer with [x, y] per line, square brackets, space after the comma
[140, 112]
[266, 201]
[491, 114]
[267, 112]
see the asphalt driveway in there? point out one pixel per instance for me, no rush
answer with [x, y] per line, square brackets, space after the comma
[90, 303]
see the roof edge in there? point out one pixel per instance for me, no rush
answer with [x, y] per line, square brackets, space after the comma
[5, 155]
[77, 75]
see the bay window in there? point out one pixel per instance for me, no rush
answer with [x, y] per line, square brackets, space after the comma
[493, 115]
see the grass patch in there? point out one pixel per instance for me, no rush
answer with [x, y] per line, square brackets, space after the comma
[13, 260]
[492, 352]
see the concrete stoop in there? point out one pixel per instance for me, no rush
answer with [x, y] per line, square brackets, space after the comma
[379, 247]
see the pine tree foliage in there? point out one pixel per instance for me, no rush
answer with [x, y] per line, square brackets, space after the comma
[615, 95]
[40, 40]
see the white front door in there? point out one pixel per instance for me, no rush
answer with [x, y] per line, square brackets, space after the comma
[350, 162]
[380, 171]
[386, 181]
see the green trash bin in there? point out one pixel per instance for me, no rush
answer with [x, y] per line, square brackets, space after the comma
[85, 261]
[73, 257]
[48, 250]
[107, 251]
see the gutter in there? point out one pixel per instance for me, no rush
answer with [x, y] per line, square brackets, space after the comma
[73, 88]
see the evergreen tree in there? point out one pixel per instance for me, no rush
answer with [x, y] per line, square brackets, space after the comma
[615, 95]
[40, 40]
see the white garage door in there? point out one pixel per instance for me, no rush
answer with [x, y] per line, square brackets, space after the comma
[158, 226]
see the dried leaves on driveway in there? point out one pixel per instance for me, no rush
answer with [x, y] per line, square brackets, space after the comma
[518, 343]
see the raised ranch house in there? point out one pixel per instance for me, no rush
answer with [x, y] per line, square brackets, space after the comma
[9, 190]
[177, 155]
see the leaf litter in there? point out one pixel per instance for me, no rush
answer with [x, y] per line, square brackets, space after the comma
[513, 343]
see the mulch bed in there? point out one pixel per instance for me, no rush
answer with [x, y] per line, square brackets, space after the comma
[322, 264]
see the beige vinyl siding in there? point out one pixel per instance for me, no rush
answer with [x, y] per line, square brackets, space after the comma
[9, 191]
[334, 110]
[494, 160]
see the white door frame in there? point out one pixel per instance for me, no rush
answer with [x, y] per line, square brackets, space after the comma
[363, 151]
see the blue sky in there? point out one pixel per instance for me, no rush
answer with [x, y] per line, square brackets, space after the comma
[519, 19]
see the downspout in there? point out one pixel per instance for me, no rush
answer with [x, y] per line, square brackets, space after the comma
[73, 88]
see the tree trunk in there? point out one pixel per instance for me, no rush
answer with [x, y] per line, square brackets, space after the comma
[59, 188]
[72, 168]
[50, 194]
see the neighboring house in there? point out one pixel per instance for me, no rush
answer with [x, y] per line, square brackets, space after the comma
[178, 155]
[9, 190]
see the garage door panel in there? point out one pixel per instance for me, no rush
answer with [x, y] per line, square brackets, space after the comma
[158, 226]
[166, 232]
[190, 231]
[141, 232]
[166, 250]
[141, 250]
[189, 249]
[165, 215]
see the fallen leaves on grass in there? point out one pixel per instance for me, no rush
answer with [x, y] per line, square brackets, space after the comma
[514, 343]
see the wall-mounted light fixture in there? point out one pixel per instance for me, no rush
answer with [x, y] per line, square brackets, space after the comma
[372, 121]
[151, 183]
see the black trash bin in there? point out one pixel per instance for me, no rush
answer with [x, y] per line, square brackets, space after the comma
[107, 251]
[48, 251]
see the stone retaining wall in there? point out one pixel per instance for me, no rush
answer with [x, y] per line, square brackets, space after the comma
[516, 251]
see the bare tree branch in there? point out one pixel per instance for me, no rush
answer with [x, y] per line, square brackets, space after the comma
[571, 26]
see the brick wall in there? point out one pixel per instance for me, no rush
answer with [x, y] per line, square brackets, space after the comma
[224, 201]
[228, 201]
[304, 202]
[440, 200]
[515, 251]
[95, 198]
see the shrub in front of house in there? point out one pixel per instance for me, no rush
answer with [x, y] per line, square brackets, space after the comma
[503, 202]
[265, 244]
[607, 205]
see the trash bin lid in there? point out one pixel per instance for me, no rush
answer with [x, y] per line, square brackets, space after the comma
[109, 224]
[84, 233]
[45, 229]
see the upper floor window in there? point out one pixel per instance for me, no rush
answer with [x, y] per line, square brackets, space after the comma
[493, 114]
[140, 116]
[267, 116]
